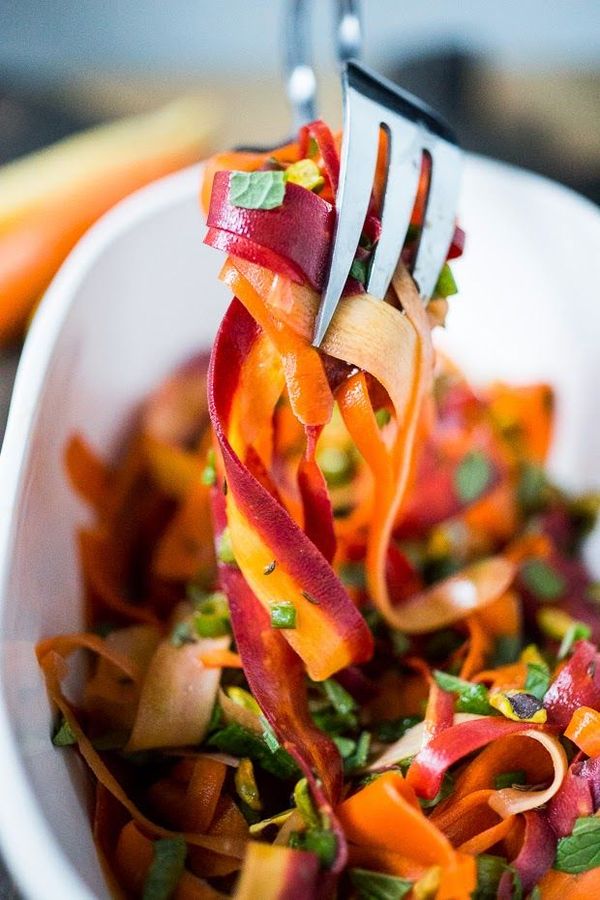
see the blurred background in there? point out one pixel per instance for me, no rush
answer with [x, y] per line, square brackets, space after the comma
[520, 80]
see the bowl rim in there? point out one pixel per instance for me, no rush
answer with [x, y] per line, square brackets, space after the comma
[25, 833]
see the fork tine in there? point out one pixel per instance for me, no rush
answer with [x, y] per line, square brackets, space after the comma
[404, 168]
[440, 214]
[359, 156]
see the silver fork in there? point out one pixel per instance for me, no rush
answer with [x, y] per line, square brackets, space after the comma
[413, 129]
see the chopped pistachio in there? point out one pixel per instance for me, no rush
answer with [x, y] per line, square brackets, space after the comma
[518, 706]
[245, 785]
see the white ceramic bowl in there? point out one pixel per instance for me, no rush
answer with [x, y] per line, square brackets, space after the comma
[135, 298]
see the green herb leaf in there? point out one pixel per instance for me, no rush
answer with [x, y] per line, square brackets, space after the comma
[538, 680]
[225, 552]
[238, 741]
[305, 805]
[472, 476]
[358, 270]
[472, 698]
[256, 190]
[63, 736]
[166, 868]
[320, 841]
[507, 779]
[581, 850]
[506, 650]
[339, 698]
[283, 614]
[490, 870]
[353, 574]
[376, 886]
[446, 285]
[532, 488]
[542, 580]
[358, 757]
[578, 631]
[345, 745]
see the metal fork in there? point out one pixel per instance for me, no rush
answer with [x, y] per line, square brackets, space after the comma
[413, 129]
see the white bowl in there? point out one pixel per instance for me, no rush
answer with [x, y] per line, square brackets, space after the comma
[135, 298]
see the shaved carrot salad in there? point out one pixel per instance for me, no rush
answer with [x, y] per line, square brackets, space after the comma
[341, 638]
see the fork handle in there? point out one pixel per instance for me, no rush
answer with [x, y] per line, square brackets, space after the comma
[300, 79]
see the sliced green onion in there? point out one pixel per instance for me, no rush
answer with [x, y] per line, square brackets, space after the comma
[283, 614]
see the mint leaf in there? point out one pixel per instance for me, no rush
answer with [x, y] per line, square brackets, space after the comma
[472, 476]
[358, 270]
[64, 736]
[538, 680]
[166, 869]
[472, 698]
[446, 285]
[320, 841]
[376, 886]
[542, 580]
[340, 699]
[490, 870]
[581, 850]
[256, 190]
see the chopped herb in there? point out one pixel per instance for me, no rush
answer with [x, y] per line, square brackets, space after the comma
[310, 598]
[337, 466]
[353, 574]
[209, 473]
[306, 173]
[166, 868]
[538, 680]
[446, 285]
[238, 741]
[225, 549]
[320, 841]
[542, 580]
[270, 568]
[269, 736]
[339, 697]
[400, 642]
[304, 804]
[472, 698]
[532, 488]
[577, 631]
[358, 757]
[358, 270]
[506, 650]
[64, 736]
[490, 870]
[508, 779]
[581, 850]
[182, 634]
[393, 729]
[376, 886]
[345, 745]
[256, 190]
[245, 785]
[472, 476]
[383, 416]
[283, 614]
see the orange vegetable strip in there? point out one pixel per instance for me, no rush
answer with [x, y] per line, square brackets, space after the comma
[486, 839]
[64, 645]
[556, 885]
[203, 793]
[52, 664]
[89, 476]
[584, 730]
[221, 659]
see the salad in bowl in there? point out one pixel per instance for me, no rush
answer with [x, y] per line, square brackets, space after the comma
[341, 638]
